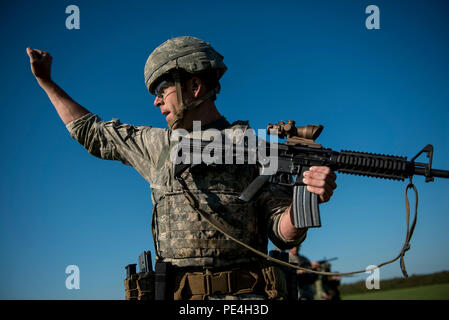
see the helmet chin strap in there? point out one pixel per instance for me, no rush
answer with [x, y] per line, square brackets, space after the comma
[178, 118]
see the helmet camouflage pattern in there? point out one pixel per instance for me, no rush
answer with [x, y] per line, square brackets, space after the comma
[184, 53]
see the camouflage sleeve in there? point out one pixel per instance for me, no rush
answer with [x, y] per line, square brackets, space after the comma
[273, 201]
[113, 140]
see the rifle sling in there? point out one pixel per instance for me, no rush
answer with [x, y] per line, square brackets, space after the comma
[406, 246]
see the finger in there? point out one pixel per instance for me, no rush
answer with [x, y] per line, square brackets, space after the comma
[319, 183]
[320, 169]
[31, 54]
[316, 190]
[324, 194]
[325, 170]
[319, 175]
[39, 54]
[39, 51]
[35, 55]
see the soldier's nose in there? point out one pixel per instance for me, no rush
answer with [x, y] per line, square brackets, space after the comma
[157, 102]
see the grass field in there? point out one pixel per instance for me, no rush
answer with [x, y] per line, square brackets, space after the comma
[430, 292]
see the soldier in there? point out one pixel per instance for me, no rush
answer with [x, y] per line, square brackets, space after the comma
[330, 284]
[183, 73]
[320, 283]
[305, 280]
[333, 283]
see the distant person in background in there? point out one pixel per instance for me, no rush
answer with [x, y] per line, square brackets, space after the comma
[331, 283]
[326, 287]
[319, 285]
[304, 280]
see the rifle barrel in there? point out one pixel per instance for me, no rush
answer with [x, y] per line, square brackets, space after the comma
[433, 172]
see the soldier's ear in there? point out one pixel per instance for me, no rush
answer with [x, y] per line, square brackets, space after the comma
[194, 86]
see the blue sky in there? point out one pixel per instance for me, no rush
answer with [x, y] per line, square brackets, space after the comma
[383, 91]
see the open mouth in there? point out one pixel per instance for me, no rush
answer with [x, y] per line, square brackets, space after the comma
[168, 115]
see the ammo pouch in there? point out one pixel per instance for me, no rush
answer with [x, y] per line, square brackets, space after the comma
[198, 285]
[275, 282]
[131, 292]
[140, 286]
[145, 286]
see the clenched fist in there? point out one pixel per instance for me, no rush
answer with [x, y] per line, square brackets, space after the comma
[40, 62]
[321, 181]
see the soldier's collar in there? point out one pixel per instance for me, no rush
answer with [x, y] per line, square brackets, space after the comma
[219, 124]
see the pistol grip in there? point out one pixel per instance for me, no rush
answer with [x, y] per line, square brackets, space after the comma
[306, 211]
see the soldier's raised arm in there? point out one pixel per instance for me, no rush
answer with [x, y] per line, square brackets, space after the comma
[68, 109]
[109, 140]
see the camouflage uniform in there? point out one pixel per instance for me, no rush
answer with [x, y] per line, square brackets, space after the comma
[181, 236]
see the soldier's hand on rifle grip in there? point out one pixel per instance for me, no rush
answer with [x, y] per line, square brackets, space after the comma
[321, 181]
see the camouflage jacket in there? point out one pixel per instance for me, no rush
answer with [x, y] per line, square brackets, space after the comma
[181, 236]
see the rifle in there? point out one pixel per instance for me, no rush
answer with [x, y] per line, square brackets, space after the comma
[294, 157]
[326, 260]
[297, 154]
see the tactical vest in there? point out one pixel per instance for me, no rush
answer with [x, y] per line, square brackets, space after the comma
[181, 236]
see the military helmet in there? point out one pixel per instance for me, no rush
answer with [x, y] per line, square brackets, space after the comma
[185, 54]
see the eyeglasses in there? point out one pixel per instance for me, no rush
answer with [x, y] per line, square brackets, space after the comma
[159, 91]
